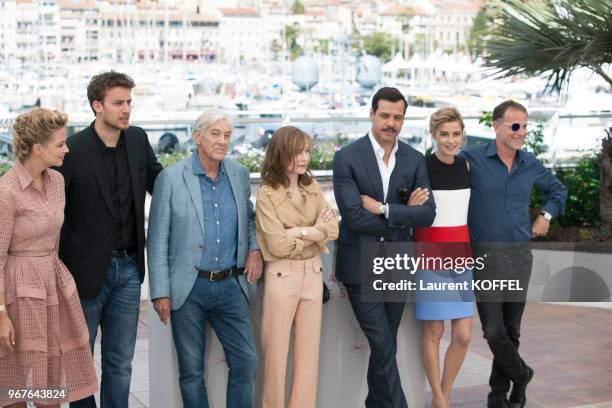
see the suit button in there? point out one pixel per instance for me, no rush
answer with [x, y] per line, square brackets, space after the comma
[279, 274]
[200, 246]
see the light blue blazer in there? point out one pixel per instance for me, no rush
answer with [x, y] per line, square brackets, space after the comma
[176, 229]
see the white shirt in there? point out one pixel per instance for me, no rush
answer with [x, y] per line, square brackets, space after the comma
[385, 169]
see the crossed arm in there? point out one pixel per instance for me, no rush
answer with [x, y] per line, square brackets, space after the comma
[362, 213]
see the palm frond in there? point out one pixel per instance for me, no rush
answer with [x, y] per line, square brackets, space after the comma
[552, 37]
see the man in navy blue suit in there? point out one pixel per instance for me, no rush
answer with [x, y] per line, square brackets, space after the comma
[367, 177]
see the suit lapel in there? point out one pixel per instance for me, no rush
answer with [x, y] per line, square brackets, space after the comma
[396, 175]
[95, 161]
[371, 165]
[234, 181]
[193, 185]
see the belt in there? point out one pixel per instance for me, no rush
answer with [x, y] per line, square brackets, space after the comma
[122, 253]
[218, 275]
[37, 254]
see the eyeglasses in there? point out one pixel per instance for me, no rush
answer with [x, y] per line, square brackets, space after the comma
[515, 126]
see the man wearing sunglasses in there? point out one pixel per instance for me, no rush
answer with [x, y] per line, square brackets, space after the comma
[502, 176]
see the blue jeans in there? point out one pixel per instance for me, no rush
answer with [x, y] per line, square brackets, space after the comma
[115, 310]
[225, 307]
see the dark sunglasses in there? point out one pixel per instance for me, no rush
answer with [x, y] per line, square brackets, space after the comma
[515, 126]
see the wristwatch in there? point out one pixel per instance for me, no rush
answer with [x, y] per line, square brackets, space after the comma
[546, 215]
[303, 232]
[384, 209]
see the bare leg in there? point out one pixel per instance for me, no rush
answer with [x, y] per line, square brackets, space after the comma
[430, 344]
[461, 332]
[17, 405]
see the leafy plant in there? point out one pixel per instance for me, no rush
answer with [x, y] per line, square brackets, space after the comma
[322, 154]
[549, 37]
[5, 165]
[477, 33]
[380, 45]
[168, 159]
[605, 175]
[582, 182]
[297, 7]
[251, 159]
[292, 32]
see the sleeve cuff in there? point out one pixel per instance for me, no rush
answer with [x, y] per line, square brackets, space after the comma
[299, 246]
[552, 209]
[323, 247]
[323, 230]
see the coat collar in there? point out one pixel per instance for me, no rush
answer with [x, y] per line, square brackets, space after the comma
[281, 193]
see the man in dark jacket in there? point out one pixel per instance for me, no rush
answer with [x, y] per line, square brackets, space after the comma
[107, 173]
[367, 176]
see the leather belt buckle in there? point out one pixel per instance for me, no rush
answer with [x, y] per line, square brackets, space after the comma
[213, 273]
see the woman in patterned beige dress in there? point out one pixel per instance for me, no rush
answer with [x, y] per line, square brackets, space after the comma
[44, 342]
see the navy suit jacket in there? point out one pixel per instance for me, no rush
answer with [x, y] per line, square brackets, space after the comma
[356, 173]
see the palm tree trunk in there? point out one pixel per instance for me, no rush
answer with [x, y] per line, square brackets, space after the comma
[602, 74]
[605, 196]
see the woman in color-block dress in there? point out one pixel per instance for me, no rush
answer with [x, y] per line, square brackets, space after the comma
[44, 342]
[447, 237]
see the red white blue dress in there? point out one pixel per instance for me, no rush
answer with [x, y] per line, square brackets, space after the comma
[450, 184]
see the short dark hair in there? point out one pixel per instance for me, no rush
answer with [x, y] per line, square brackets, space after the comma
[388, 94]
[500, 110]
[99, 84]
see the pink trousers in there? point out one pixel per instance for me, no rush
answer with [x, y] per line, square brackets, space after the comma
[293, 293]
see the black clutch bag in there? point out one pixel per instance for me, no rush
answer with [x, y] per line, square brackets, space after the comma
[326, 294]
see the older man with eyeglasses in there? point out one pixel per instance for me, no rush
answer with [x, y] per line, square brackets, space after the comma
[502, 177]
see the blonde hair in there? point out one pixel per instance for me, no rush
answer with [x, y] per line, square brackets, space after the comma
[444, 115]
[34, 127]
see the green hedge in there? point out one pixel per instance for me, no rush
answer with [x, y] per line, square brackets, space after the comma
[583, 186]
[5, 165]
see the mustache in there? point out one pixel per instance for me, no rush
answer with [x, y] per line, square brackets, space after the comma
[389, 129]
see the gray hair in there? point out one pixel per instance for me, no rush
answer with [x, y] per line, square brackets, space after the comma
[209, 117]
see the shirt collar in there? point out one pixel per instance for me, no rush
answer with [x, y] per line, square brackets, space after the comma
[197, 166]
[100, 142]
[492, 151]
[378, 150]
[24, 177]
